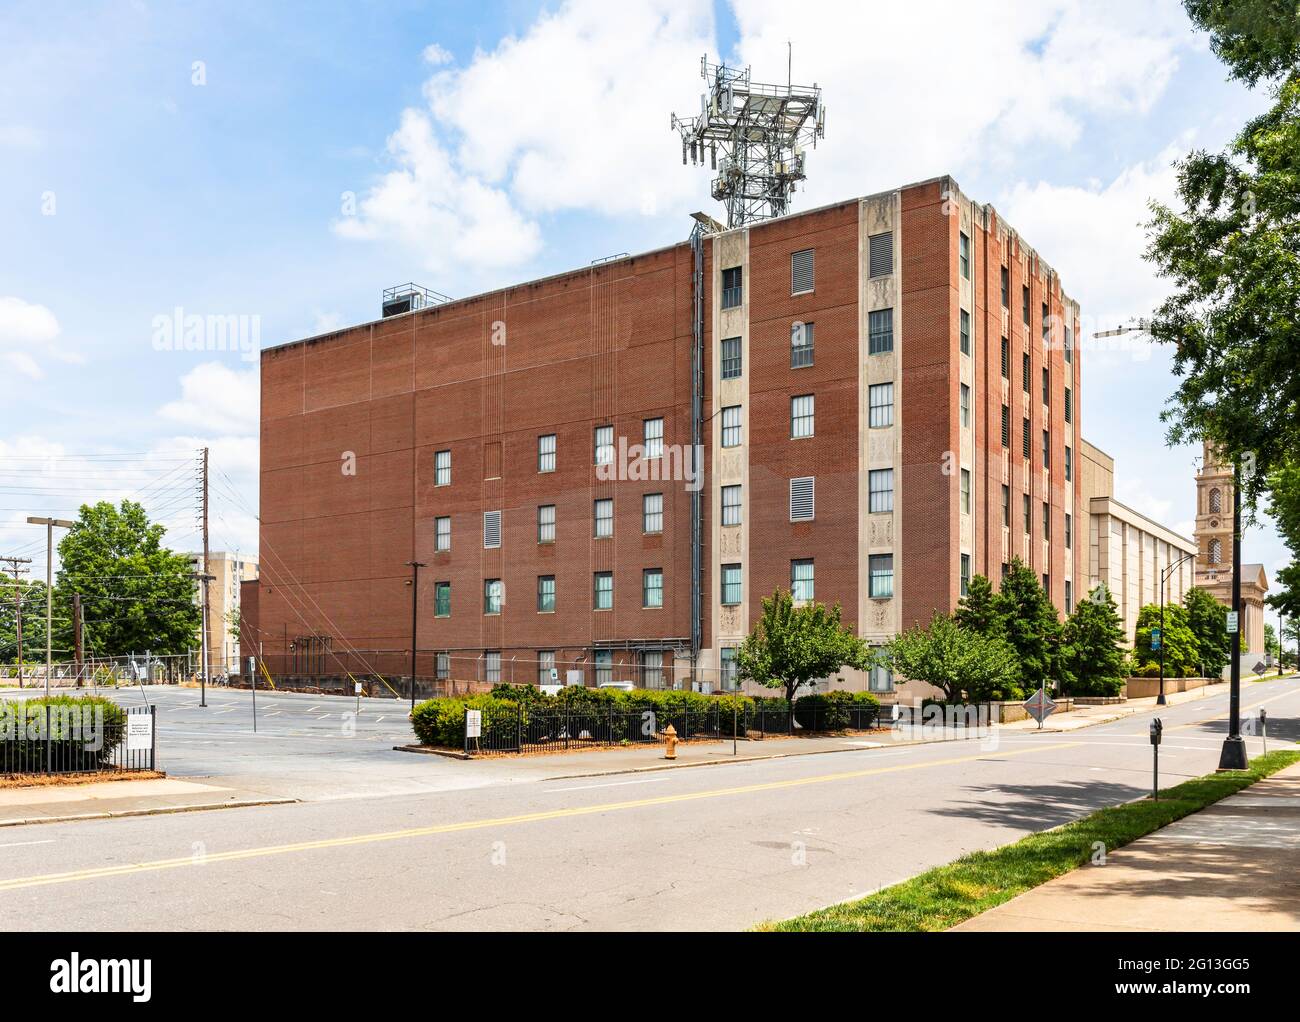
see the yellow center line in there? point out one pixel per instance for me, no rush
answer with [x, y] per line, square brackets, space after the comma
[124, 869]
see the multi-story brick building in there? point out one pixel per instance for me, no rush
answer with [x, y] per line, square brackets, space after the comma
[887, 404]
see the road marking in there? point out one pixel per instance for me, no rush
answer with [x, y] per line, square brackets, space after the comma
[43, 880]
[20, 844]
[608, 784]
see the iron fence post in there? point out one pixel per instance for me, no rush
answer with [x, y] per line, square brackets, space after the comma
[519, 727]
[153, 737]
[464, 729]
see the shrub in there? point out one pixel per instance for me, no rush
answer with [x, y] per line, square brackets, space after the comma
[829, 712]
[442, 721]
[74, 722]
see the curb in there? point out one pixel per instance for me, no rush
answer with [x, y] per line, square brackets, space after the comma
[156, 811]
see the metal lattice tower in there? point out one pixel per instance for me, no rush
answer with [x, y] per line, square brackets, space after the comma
[754, 136]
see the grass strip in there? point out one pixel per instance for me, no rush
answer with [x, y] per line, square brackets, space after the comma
[947, 895]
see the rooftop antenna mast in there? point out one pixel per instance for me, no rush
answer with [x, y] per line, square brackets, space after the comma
[754, 136]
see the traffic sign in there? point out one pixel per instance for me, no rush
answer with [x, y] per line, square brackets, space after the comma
[1232, 622]
[1039, 706]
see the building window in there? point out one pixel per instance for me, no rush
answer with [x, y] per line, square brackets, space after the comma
[1006, 359]
[603, 590]
[604, 667]
[492, 666]
[965, 332]
[1216, 501]
[880, 261]
[546, 594]
[731, 427]
[802, 499]
[442, 534]
[652, 668]
[492, 590]
[545, 665]
[652, 513]
[801, 580]
[1047, 522]
[801, 344]
[880, 486]
[801, 271]
[1006, 506]
[731, 504]
[1024, 372]
[1024, 304]
[965, 574]
[442, 666]
[801, 416]
[442, 468]
[731, 358]
[731, 288]
[652, 434]
[442, 599]
[1069, 596]
[1216, 551]
[1069, 464]
[1047, 326]
[1069, 404]
[965, 491]
[881, 678]
[546, 523]
[963, 255]
[1024, 439]
[731, 585]
[880, 399]
[1047, 449]
[546, 453]
[730, 679]
[1006, 426]
[491, 530]
[880, 330]
[1006, 287]
[1047, 584]
[1025, 509]
[652, 588]
[603, 518]
[604, 445]
[1047, 387]
[881, 571]
[1069, 531]
[1069, 345]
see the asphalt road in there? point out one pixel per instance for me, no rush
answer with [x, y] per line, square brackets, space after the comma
[716, 847]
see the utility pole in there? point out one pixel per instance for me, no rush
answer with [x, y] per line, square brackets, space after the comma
[1233, 755]
[16, 566]
[76, 634]
[207, 611]
[415, 567]
[203, 578]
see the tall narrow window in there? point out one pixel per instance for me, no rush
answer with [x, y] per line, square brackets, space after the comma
[1006, 505]
[731, 287]
[1047, 387]
[1047, 449]
[546, 594]
[545, 665]
[652, 668]
[442, 468]
[492, 595]
[1047, 326]
[801, 271]
[442, 666]
[801, 344]
[604, 667]
[964, 395]
[652, 588]
[965, 332]
[652, 434]
[603, 518]
[492, 666]
[1006, 287]
[732, 580]
[880, 569]
[652, 513]
[1069, 345]
[880, 329]
[880, 400]
[963, 255]
[801, 580]
[1025, 508]
[731, 358]
[965, 574]
[546, 453]
[442, 533]
[1047, 521]
[1069, 464]
[731, 504]
[1069, 596]
[603, 443]
[603, 590]
[1024, 304]
[546, 523]
[442, 599]
[965, 491]
[731, 426]
[880, 485]
[730, 675]
[1069, 531]
[801, 416]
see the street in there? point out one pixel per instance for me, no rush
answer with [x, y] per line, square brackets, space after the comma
[390, 840]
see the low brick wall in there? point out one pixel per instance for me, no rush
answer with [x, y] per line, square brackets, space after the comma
[1146, 688]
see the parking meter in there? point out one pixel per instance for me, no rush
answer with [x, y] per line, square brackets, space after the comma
[1157, 730]
[1263, 728]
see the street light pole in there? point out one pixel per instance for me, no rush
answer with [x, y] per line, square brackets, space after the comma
[1160, 699]
[49, 524]
[415, 567]
[1233, 756]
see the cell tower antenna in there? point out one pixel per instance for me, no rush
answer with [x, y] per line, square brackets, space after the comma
[754, 136]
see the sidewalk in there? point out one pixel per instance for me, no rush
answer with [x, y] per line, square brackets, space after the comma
[1234, 865]
[1088, 716]
[106, 799]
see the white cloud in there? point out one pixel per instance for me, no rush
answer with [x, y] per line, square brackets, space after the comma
[27, 331]
[216, 398]
[326, 322]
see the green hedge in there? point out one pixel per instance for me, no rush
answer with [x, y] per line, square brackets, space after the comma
[73, 722]
[833, 711]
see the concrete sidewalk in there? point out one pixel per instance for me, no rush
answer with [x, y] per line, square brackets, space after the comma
[1089, 716]
[1232, 866]
[106, 799]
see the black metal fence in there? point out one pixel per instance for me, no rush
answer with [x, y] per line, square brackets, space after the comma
[525, 729]
[63, 737]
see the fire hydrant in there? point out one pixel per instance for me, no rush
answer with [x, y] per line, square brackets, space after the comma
[670, 737]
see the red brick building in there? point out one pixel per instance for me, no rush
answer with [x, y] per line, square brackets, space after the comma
[888, 405]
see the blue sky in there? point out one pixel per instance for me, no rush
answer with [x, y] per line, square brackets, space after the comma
[287, 161]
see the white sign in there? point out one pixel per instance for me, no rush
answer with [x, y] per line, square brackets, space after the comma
[1232, 622]
[473, 723]
[139, 731]
[358, 688]
[555, 674]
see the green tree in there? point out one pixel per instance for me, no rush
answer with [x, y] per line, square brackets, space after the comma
[1284, 509]
[1093, 658]
[978, 609]
[791, 646]
[1208, 620]
[31, 593]
[1229, 252]
[136, 595]
[1030, 625]
[962, 662]
[1182, 653]
[1270, 640]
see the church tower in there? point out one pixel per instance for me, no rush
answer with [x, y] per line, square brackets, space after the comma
[1213, 519]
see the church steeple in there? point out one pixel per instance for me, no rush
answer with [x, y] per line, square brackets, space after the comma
[1213, 533]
